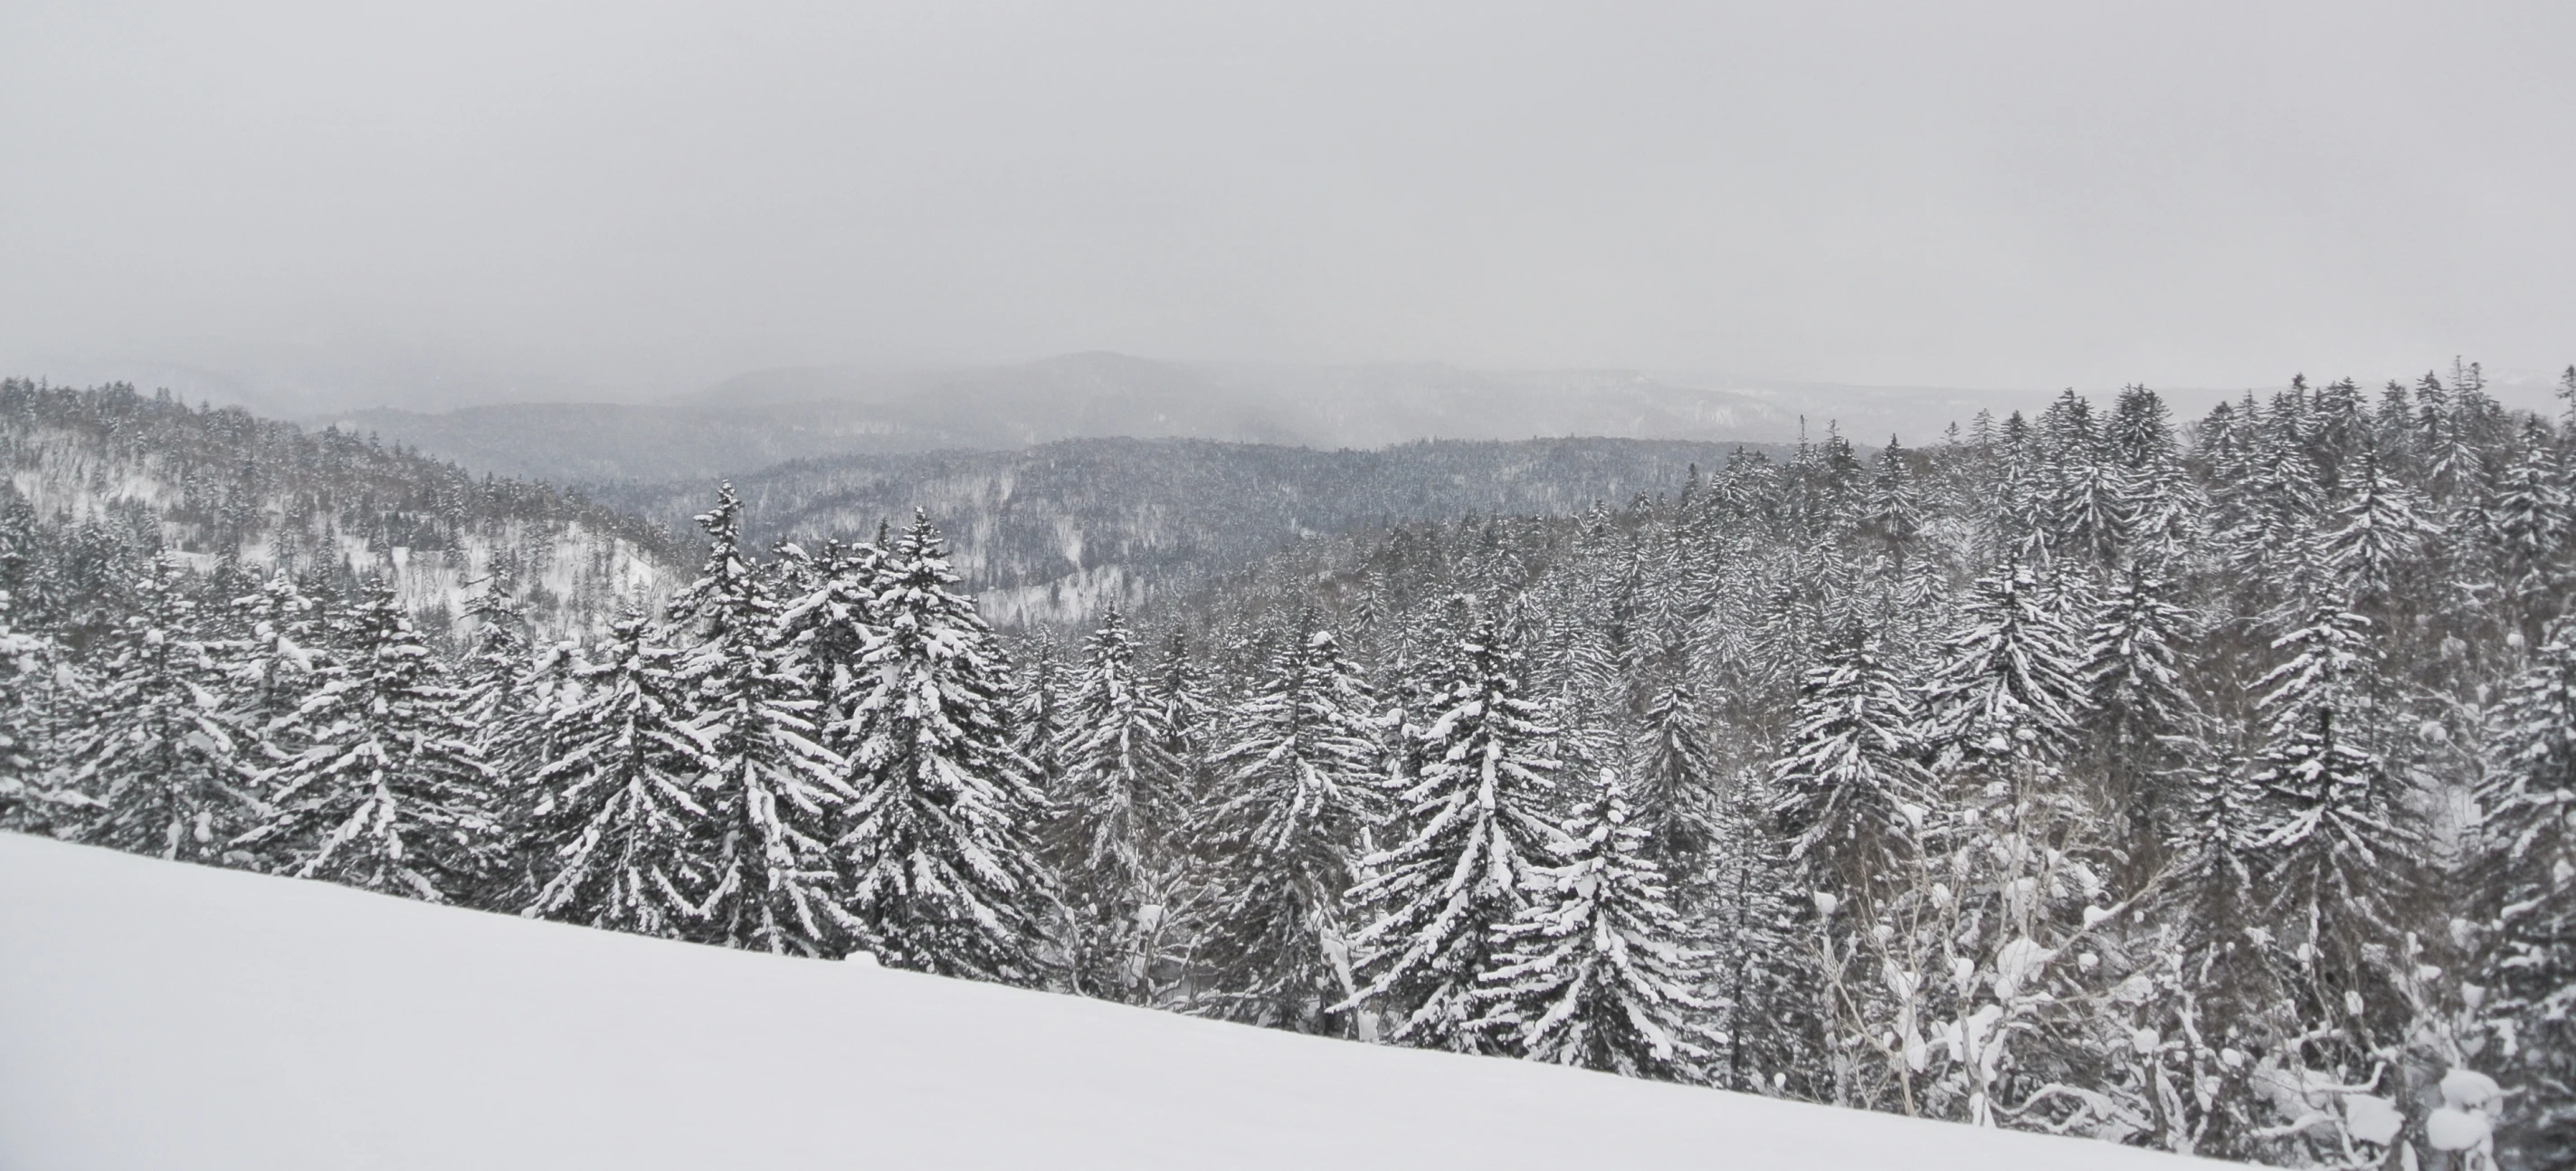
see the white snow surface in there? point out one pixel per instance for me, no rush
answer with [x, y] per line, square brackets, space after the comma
[155, 1014]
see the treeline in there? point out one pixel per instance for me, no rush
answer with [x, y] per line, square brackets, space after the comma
[2200, 787]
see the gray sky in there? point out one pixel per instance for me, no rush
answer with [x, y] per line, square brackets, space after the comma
[633, 198]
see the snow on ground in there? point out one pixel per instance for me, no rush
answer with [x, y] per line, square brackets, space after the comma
[154, 1014]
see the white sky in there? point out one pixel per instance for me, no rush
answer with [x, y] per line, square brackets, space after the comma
[636, 198]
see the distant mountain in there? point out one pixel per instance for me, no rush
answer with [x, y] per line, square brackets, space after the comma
[765, 417]
[1053, 531]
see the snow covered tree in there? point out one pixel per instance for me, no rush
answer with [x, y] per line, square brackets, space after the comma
[772, 790]
[2340, 858]
[940, 838]
[2139, 706]
[1120, 795]
[151, 744]
[1675, 795]
[1302, 765]
[2009, 686]
[388, 791]
[2527, 891]
[1475, 825]
[1038, 712]
[2379, 529]
[1848, 789]
[30, 799]
[1598, 971]
[618, 827]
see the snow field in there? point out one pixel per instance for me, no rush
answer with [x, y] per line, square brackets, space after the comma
[158, 1015]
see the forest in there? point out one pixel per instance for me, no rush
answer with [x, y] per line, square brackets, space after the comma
[2203, 785]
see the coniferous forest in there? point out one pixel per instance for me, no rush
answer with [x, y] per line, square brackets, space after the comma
[2206, 784]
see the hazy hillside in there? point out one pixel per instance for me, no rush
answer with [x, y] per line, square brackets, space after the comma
[766, 417]
[120, 472]
[1053, 530]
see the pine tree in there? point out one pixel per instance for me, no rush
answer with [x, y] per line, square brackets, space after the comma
[152, 746]
[619, 825]
[2527, 884]
[1303, 767]
[2379, 530]
[388, 792]
[1598, 971]
[941, 837]
[773, 789]
[1475, 826]
[1038, 713]
[1120, 796]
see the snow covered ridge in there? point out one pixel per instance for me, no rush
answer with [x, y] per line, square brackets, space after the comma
[157, 1014]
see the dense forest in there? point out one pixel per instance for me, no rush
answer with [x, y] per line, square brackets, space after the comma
[2199, 785]
[1057, 532]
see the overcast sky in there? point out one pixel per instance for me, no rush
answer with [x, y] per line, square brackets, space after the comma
[631, 198]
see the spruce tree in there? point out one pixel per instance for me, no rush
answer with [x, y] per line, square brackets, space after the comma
[1674, 797]
[152, 747]
[620, 819]
[1303, 767]
[1475, 824]
[387, 792]
[1848, 789]
[941, 837]
[1598, 971]
[772, 789]
[2527, 890]
[1120, 796]
[2339, 856]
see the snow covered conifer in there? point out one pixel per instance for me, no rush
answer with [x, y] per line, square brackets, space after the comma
[1675, 794]
[1302, 770]
[151, 746]
[772, 789]
[388, 791]
[940, 838]
[1120, 795]
[618, 827]
[1476, 824]
[1598, 971]
[2528, 884]
[2133, 682]
[2009, 686]
[29, 798]
[1845, 784]
[2339, 857]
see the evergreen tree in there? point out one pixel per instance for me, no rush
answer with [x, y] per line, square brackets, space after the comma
[2009, 686]
[1303, 769]
[2339, 859]
[2143, 713]
[1598, 971]
[387, 792]
[1475, 826]
[772, 790]
[941, 837]
[1848, 791]
[1675, 793]
[2527, 890]
[620, 822]
[30, 799]
[152, 746]
[1121, 794]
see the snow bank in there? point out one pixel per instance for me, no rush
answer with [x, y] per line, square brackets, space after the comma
[160, 1015]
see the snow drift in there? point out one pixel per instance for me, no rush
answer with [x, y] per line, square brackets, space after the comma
[160, 1015]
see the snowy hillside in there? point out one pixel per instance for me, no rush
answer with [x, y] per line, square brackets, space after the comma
[154, 1014]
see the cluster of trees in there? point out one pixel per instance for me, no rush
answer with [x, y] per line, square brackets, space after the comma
[2202, 787]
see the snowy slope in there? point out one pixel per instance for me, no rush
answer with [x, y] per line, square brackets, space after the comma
[160, 1015]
